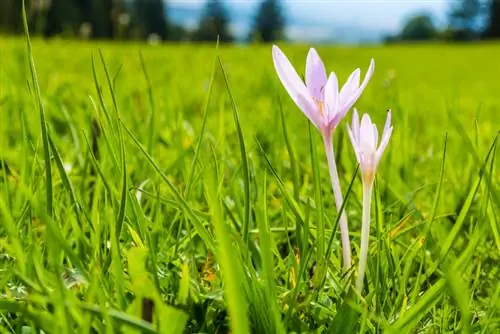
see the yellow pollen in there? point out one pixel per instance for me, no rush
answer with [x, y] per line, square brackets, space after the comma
[319, 103]
[320, 106]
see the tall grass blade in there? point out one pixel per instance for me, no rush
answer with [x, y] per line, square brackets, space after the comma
[228, 256]
[244, 156]
[192, 168]
[43, 122]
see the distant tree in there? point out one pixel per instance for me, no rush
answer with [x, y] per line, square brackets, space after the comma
[466, 19]
[62, 16]
[150, 16]
[388, 39]
[493, 25]
[36, 11]
[418, 28]
[269, 23]
[98, 15]
[10, 15]
[177, 32]
[214, 21]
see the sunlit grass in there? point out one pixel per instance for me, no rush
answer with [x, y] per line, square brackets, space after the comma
[186, 200]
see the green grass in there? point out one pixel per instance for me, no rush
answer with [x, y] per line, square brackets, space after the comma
[178, 189]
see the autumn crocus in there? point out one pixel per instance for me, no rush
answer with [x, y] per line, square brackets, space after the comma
[325, 106]
[364, 138]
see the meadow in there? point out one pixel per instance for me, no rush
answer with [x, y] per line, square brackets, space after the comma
[148, 189]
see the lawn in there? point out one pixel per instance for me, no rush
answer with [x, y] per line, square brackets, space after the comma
[142, 192]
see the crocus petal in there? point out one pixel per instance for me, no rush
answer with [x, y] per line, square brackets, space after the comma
[366, 133]
[354, 143]
[331, 95]
[375, 136]
[334, 121]
[368, 75]
[350, 87]
[355, 96]
[315, 74]
[385, 136]
[388, 121]
[295, 87]
[383, 144]
[355, 124]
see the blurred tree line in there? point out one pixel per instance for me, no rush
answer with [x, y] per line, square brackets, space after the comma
[134, 19]
[468, 20]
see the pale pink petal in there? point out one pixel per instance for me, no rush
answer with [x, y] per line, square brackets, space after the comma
[375, 136]
[366, 132]
[351, 100]
[295, 87]
[354, 142]
[351, 136]
[368, 75]
[383, 144]
[349, 88]
[315, 74]
[388, 121]
[334, 121]
[355, 124]
[331, 95]
[385, 136]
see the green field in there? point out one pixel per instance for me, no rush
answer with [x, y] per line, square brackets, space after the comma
[130, 200]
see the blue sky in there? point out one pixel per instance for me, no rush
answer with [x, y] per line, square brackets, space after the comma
[343, 20]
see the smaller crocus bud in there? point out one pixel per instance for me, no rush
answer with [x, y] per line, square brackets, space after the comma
[364, 139]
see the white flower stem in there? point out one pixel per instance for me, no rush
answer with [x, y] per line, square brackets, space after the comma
[365, 233]
[337, 193]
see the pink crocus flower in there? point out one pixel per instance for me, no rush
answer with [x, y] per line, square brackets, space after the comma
[325, 106]
[364, 138]
[319, 97]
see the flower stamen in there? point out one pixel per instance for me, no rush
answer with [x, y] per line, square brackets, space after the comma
[321, 106]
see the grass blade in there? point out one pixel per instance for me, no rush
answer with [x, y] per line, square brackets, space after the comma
[267, 256]
[203, 126]
[203, 232]
[227, 255]
[43, 122]
[244, 157]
